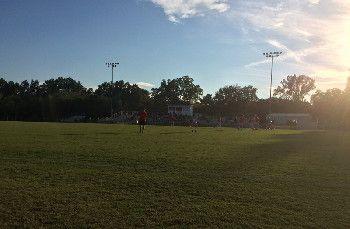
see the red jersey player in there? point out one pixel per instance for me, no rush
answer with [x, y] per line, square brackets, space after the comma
[142, 120]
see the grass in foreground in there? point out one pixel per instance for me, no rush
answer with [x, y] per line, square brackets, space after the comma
[109, 175]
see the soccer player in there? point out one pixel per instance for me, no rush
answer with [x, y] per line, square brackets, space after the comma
[142, 120]
[242, 121]
[194, 124]
[236, 122]
[172, 119]
[255, 122]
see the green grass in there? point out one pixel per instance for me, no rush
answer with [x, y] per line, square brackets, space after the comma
[82, 175]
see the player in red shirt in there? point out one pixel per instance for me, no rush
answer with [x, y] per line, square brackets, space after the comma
[172, 119]
[142, 120]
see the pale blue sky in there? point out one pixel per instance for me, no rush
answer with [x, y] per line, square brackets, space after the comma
[215, 42]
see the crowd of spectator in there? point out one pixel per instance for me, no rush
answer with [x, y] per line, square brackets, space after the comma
[252, 121]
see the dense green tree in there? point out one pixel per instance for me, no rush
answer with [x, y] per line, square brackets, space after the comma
[3, 84]
[205, 105]
[61, 98]
[62, 86]
[295, 88]
[189, 92]
[167, 93]
[125, 96]
[176, 91]
[234, 99]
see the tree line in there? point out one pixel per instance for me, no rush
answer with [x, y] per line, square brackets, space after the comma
[60, 98]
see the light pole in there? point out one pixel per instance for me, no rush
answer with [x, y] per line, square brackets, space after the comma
[271, 55]
[112, 65]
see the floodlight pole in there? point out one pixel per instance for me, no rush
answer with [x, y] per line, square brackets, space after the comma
[271, 82]
[112, 65]
[271, 55]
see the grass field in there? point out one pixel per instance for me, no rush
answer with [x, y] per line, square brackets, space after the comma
[111, 176]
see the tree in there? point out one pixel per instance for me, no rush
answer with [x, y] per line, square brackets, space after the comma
[235, 93]
[3, 84]
[61, 98]
[206, 105]
[134, 98]
[329, 107]
[125, 96]
[176, 91]
[295, 88]
[189, 92]
[62, 86]
[167, 93]
[207, 100]
[234, 99]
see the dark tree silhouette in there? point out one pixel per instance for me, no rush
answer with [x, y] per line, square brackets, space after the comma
[61, 98]
[234, 99]
[176, 91]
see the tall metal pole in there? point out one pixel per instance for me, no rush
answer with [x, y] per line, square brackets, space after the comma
[112, 73]
[112, 87]
[112, 66]
[270, 103]
[271, 55]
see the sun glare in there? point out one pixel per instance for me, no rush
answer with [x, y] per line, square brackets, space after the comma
[345, 39]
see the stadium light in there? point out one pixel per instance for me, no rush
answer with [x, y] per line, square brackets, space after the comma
[271, 55]
[112, 65]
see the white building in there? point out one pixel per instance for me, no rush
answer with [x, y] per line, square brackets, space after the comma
[304, 121]
[186, 110]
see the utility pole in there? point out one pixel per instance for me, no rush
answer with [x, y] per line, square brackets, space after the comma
[271, 55]
[112, 65]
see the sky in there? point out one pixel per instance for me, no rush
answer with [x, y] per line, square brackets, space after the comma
[216, 42]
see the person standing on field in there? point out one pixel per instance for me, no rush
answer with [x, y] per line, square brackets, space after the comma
[242, 121]
[172, 119]
[194, 124]
[142, 120]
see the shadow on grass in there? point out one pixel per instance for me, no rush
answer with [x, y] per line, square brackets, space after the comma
[302, 171]
[109, 133]
[179, 132]
[283, 145]
[72, 134]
